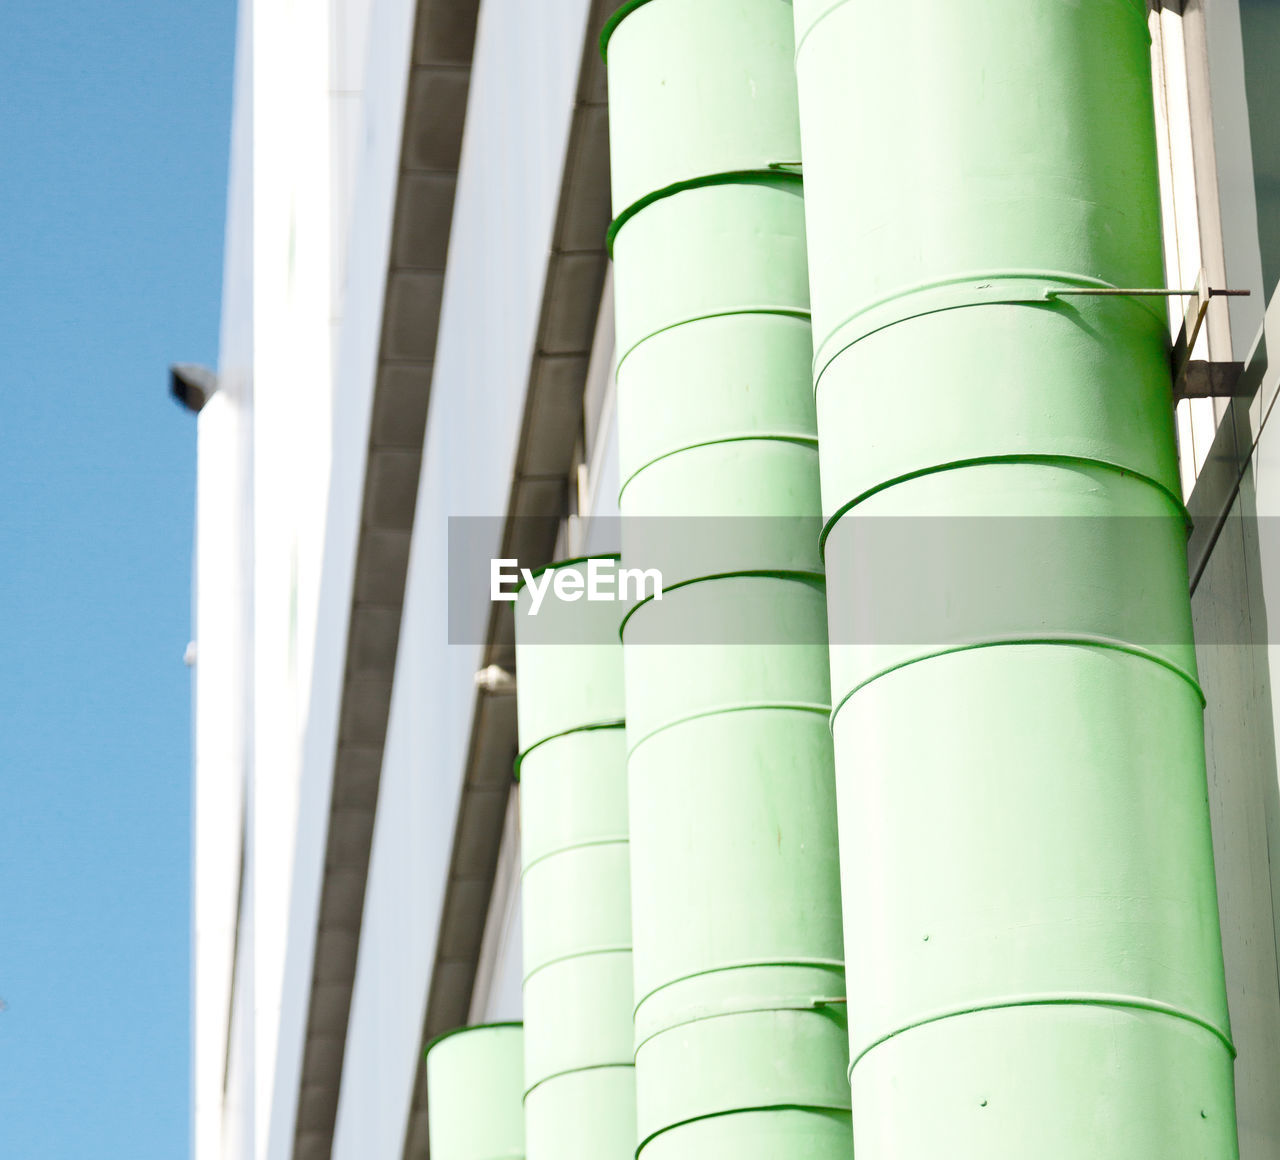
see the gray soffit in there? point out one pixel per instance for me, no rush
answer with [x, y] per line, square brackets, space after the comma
[551, 427]
[440, 74]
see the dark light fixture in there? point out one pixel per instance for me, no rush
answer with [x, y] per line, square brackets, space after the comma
[192, 385]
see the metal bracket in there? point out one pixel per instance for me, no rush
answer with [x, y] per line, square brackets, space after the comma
[1202, 378]
[1192, 378]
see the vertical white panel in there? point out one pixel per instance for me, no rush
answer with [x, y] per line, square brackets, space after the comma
[221, 745]
[292, 433]
[498, 993]
[367, 235]
[1212, 28]
[223, 680]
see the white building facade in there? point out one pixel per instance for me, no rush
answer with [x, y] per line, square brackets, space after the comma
[417, 326]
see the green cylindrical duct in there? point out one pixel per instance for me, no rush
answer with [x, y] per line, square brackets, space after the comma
[741, 1035]
[474, 1086]
[578, 992]
[1027, 871]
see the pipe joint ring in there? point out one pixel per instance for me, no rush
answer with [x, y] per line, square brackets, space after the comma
[584, 952]
[606, 840]
[719, 710]
[590, 727]
[1080, 639]
[1033, 288]
[572, 1071]
[803, 439]
[765, 308]
[1130, 1002]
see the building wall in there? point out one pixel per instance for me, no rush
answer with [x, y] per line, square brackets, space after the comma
[293, 386]
[365, 165]
[1229, 72]
[1233, 584]
[321, 95]
[265, 440]
[221, 1039]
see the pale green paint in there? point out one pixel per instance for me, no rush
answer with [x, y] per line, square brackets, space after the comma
[1034, 958]
[740, 1024]
[699, 88]
[754, 380]
[474, 1084]
[691, 654]
[590, 1114]
[575, 881]
[704, 230]
[571, 648]
[1107, 1083]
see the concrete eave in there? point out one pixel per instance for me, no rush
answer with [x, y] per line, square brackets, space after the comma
[551, 427]
[440, 73]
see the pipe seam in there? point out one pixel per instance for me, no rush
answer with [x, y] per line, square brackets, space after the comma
[746, 437]
[1132, 5]
[719, 710]
[768, 173]
[763, 573]
[588, 952]
[573, 1071]
[1006, 288]
[740, 965]
[829, 1107]
[784, 311]
[590, 727]
[1020, 457]
[781, 1003]
[1066, 639]
[1128, 1002]
[625, 840]
[471, 1027]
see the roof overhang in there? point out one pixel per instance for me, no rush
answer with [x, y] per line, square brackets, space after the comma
[435, 109]
[550, 429]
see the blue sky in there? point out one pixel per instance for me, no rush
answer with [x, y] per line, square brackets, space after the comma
[114, 125]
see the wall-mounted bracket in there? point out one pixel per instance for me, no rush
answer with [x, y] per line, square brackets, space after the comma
[1201, 378]
[1192, 378]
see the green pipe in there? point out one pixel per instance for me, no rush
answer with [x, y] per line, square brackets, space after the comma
[571, 647]
[575, 879]
[740, 1028]
[712, 304]
[702, 89]
[474, 1083]
[1027, 865]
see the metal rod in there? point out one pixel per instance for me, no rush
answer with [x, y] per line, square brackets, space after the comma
[1101, 291]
